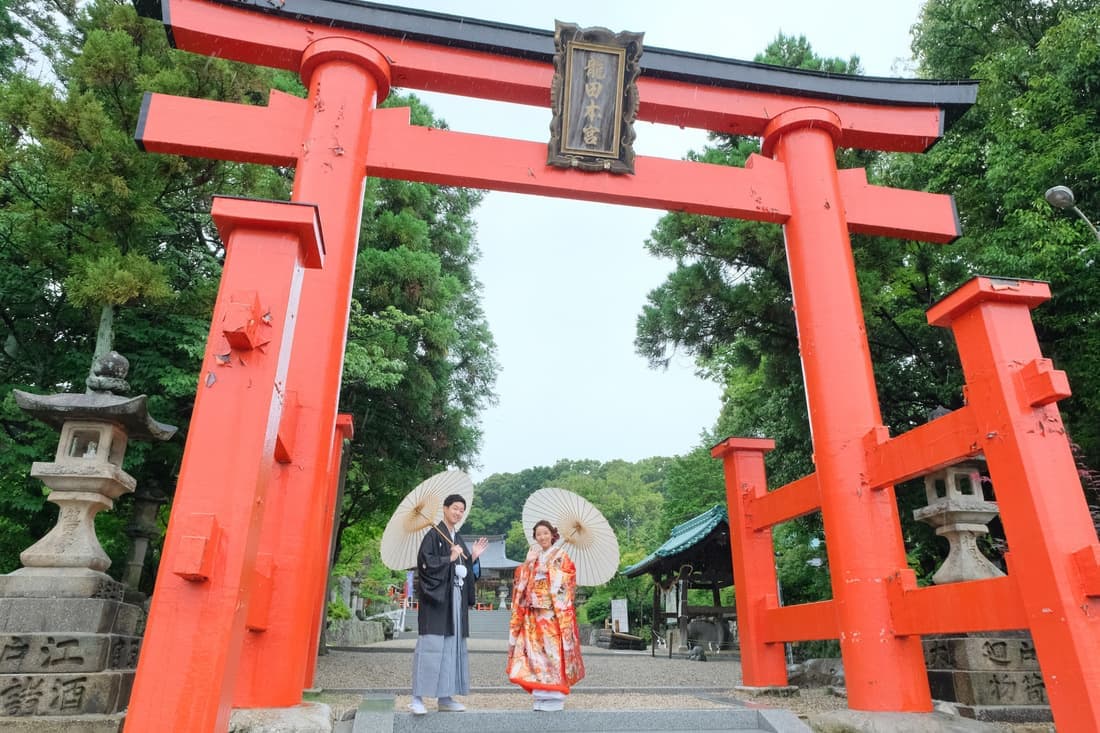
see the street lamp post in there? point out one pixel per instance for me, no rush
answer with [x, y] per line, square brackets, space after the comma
[1061, 197]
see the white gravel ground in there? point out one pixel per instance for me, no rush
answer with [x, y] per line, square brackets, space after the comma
[614, 680]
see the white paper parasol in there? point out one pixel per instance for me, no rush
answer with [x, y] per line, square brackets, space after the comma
[587, 536]
[418, 512]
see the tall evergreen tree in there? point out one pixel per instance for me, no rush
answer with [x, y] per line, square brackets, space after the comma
[1034, 126]
[729, 304]
[90, 225]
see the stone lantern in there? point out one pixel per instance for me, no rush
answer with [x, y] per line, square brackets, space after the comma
[989, 676]
[71, 639]
[356, 604]
[142, 530]
[958, 511]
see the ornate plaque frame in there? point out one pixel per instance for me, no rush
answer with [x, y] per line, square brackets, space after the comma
[594, 98]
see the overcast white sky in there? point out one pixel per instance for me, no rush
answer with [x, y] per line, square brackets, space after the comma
[563, 309]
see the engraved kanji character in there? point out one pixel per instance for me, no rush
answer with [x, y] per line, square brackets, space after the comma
[118, 654]
[996, 652]
[595, 67]
[1002, 687]
[1035, 688]
[61, 652]
[1027, 651]
[9, 697]
[68, 695]
[15, 649]
[591, 135]
[22, 695]
[593, 89]
[938, 655]
[592, 112]
[132, 657]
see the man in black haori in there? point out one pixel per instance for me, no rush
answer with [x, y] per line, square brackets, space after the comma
[446, 573]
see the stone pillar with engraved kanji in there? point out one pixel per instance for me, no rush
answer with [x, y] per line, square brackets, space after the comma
[990, 676]
[69, 640]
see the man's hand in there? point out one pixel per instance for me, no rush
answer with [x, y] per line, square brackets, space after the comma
[456, 551]
[478, 548]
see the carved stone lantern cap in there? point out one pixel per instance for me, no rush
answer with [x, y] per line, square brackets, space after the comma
[131, 413]
[104, 401]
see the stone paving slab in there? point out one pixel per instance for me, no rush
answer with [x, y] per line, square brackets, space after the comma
[588, 721]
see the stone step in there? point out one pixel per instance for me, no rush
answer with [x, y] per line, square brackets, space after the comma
[483, 624]
[378, 716]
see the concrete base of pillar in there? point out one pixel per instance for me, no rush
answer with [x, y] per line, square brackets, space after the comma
[309, 717]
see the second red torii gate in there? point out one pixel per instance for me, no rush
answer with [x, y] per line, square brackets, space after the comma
[234, 613]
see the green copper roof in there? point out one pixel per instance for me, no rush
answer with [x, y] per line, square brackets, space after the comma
[683, 536]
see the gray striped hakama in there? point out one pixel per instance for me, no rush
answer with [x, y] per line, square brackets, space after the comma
[441, 666]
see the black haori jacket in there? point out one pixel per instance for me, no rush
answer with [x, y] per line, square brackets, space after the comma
[435, 578]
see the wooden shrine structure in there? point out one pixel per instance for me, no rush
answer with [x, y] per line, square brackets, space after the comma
[696, 556]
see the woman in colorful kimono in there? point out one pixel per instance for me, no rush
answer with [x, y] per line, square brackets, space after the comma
[544, 649]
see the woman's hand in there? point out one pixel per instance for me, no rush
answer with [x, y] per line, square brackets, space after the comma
[532, 554]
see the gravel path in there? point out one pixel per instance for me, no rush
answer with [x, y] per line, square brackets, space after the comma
[387, 666]
[614, 680]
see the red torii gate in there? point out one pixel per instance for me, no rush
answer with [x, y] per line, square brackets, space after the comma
[235, 612]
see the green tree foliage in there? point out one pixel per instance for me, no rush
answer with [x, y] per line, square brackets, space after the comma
[420, 362]
[694, 485]
[10, 36]
[498, 500]
[1034, 126]
[728, 301]
[88, 221]
[516, 542]
[360, 556]
[629, 495]
[33, 34]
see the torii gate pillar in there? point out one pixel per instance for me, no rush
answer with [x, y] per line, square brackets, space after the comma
[229, 477]
[882, 671]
